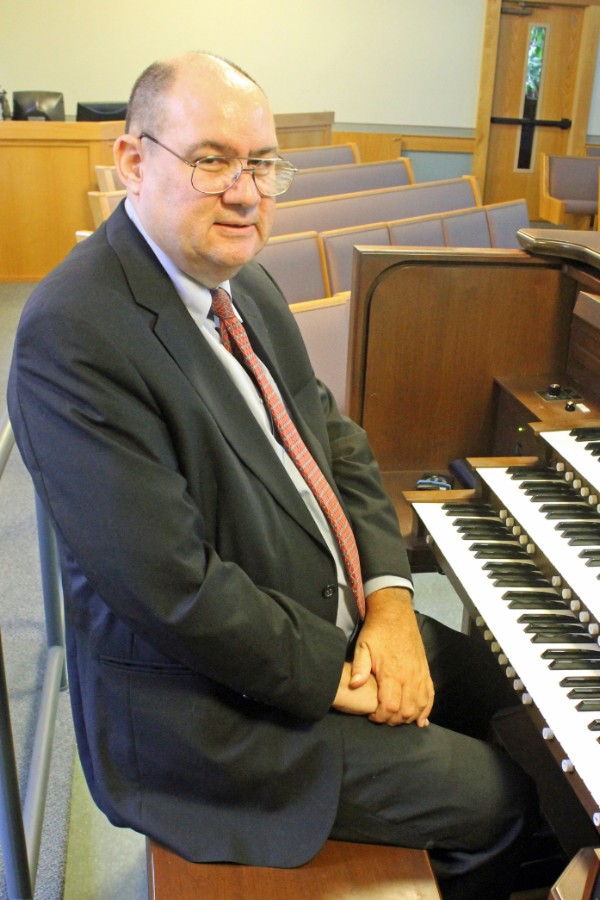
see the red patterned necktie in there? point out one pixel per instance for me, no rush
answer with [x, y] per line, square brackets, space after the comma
[232, 330]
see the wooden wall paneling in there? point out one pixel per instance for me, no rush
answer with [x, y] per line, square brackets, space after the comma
[375, 146]
[303, 129]
[46, 170]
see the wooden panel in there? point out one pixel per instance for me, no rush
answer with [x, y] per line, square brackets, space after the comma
[339, 871]
[46, 170]
[430, 331]
[303, 129]
[374, 146]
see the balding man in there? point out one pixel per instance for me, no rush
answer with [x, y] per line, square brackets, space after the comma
[248, 676]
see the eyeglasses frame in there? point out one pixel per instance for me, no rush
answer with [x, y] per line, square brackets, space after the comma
[251, 170]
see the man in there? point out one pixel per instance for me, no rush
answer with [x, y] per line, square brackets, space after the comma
[228, 699]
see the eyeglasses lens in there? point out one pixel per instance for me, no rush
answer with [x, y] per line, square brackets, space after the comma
[215, 175]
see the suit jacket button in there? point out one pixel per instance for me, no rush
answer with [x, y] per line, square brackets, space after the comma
[329, 591]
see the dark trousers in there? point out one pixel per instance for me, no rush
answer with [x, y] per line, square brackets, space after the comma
[444, 788]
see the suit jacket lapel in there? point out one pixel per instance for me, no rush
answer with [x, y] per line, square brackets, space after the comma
[175, 329]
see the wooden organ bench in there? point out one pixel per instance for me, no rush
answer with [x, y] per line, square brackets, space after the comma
[340, 870]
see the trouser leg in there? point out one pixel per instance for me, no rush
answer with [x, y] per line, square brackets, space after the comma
[453, 794]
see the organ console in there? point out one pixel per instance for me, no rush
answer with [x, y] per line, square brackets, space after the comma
[495, 358]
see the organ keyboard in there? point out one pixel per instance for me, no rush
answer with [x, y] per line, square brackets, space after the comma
[525, 557]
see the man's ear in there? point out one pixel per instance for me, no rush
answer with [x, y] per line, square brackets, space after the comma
[128, 160]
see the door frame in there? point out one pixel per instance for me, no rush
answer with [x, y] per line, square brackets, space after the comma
[584, 83]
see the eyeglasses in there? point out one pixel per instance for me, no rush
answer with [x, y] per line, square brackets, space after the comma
[216, 174]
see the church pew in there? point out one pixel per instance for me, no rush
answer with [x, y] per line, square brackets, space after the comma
[324, 326]
[296, 263]
[325, 213]
[329, 180]
[322, 155]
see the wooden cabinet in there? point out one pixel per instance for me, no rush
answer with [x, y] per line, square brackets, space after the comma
[46, 170]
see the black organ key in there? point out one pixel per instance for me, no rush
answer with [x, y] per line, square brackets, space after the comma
[484, 534]
[588, 705]
[537, 473]
[595, 726]
[523, 580]
[505, 550]
[511, 568]
[588, 654]
[568, 627]
[570, 681]
[585, 433]
[545, 618]
[526, 603]
[564, 664]
[549, 637]
[562, 510]
[470, 510]
[573, 524]
[542, 494]
[571, 529]
[583, 693]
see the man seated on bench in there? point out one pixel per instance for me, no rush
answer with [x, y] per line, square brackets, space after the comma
[247, 674]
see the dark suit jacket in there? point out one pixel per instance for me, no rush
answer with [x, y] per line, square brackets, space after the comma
[202, 648]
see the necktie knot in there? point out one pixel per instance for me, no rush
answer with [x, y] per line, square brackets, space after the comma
[221, 303]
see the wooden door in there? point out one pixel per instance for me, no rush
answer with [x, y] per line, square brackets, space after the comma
[558, 91]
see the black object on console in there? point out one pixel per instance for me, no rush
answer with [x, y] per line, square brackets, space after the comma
[38, 106]
[100, 112]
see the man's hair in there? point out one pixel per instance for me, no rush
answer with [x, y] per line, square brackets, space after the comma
[150, 88]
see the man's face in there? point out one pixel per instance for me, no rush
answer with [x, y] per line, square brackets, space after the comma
[210, 237]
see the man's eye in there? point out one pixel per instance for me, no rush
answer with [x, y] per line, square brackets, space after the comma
[214, 163]
[262, 166]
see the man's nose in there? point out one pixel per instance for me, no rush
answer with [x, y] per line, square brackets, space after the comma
[243, 191]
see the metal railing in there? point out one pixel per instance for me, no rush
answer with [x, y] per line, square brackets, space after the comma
[21, 827]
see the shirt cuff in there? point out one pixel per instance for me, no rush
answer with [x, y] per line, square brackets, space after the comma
[386, 581]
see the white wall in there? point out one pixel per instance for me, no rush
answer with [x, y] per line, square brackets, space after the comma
[370, 61]
[379, 62]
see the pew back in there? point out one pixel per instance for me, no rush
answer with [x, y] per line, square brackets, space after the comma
[329, 180]
[296, 263]
[323, 155]
[323, 214]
